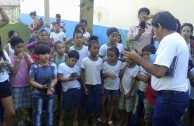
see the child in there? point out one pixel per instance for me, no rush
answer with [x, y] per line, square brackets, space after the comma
[57, 35]
[21, 89]
[5, 89]
[79, 47]
[141, 102]
[91, 68]
[35, 35]
[68, 74]
[43, 38]
[126, 100]
[85, 33]
[112, 34]
[59, 58]
[43, 77]
[111, 69]
[7, 47]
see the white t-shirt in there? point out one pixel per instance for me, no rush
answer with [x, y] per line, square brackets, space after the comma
[57, 36]
[66, 71]
[92, 70]
[4, 74]
[82, 53]
[11, 51]
[86, 35]
[170, 46]
[128, 75]
[142, 85]
[104, 47]
[109, 83]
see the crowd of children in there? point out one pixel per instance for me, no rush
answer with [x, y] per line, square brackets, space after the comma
[83, 76]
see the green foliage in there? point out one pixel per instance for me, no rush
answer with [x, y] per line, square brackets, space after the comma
[18, 26]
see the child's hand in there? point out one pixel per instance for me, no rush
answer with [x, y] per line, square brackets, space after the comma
[86, 91]
[128, 95]
[112, 76]
[20, 55]
[50, 91]
[126, 65]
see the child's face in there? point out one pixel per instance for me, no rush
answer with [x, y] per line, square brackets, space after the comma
[18, 48]
[56, 27]
[94, 50]
[130, 62]
[118, 38]
[71, 61]
[113, 37]
[146, 55]
[60, 48]
[78, 39]
[43, 57]
[35, 34]
[143, 17]
[43, 36]
[80, 29]
[186, 32]
[84, 25]
[111, 56]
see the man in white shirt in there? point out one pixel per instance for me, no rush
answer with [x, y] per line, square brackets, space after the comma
[170, 82]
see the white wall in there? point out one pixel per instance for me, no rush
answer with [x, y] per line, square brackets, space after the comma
[69, 9]
[123, 13]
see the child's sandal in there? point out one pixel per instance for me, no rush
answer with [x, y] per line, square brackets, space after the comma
[110, 123]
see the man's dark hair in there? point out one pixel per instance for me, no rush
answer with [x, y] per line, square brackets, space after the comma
[165, 19]
[144, 9]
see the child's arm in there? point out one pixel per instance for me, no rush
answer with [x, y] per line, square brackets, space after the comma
[28, 59]
[106, 75]
[62, 79]
[84, 81]
[128, 95]
[123, 70]
[144, 78]
[15, 68]
[54, 82]
[35, 84]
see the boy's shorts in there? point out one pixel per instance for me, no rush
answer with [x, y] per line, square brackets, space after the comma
[22, 97]
[148, 111]
[5, 89]
[71, 99]
[111, 92]
[126, 104]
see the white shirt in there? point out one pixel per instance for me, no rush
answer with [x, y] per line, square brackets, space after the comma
[86, 35]
[128, 75]
[4, 74]
[66, 71]
[104, 47]
[109, 83]
[82, 53]
[92, 70]
[11, 51]
[142, 85]
[58, 36]
[170, 46]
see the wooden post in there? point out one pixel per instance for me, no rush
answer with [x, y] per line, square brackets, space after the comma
[86, 12]
[46, 13]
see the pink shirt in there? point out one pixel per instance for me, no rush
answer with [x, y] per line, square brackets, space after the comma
[144, 39]
[22, 76]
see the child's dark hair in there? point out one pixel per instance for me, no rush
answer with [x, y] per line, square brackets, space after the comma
[83, 21]
[42, 49]
[179, 26]
[111, 30]
[149, 48]
[79, 25]
[2, 52]
[120, 38]
[93, 37]
[77, 32]
[42, 30]
[73, 54]
[191, 27]
[91, 43]
[114, 49]
[58, 16]
[11, 33]
[144, 9]
[16, 40]
[56, 23]
[56, 43]
[36, 29]
[33, 13]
